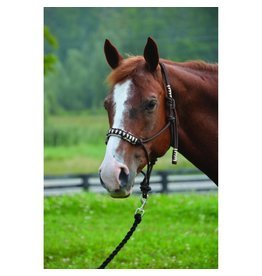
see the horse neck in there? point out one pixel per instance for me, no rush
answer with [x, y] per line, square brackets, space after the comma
[195, 92]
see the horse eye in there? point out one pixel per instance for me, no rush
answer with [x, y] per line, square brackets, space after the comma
[150, 106]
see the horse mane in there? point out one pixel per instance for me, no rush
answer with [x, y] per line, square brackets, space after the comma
[133, 63]
[200, 65]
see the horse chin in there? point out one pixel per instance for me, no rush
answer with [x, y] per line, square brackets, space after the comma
[119, 195]
[125, 191]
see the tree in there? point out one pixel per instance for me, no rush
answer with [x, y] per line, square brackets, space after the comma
[49, 59]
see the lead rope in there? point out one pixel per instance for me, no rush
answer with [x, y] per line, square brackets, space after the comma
[138, 218]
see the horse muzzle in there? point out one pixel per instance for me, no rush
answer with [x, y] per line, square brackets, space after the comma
[116, 181]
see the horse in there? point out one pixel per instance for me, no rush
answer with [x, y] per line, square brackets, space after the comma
[139, 115]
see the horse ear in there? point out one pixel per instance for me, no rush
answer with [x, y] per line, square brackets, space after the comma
[151, 54]
[112, 55]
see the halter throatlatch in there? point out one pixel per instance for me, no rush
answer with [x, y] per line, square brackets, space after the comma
[132, 139]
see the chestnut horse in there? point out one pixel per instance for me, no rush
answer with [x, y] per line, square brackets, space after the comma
[137, 105]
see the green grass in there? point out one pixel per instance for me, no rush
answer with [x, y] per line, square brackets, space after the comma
[177, 231]
[80, 145]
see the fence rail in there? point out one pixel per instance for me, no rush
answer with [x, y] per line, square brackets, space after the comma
[184, 180]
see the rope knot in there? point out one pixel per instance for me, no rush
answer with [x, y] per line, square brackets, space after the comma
[144, 187]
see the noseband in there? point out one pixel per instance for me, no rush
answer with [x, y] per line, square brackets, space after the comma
[132, 139]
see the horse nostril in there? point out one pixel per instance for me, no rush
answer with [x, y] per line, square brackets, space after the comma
[123, 178]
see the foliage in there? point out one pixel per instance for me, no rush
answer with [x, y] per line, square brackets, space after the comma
[82, 230]
[78, 81]
[49, 58]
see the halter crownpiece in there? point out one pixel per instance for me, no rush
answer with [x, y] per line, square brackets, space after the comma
[132, 139]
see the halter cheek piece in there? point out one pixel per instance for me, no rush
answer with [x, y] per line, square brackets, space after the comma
[132, 139]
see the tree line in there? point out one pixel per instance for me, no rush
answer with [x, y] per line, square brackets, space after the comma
[75, 67]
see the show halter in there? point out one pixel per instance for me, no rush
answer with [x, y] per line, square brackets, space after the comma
[171, 123]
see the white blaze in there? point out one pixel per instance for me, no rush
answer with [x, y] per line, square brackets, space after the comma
[120, 96]
[110, 165]
[121, 93]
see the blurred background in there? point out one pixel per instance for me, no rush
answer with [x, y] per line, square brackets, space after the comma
[75, 69]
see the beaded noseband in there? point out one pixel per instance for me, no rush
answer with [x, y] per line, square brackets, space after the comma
[125, 135]
[132, 139]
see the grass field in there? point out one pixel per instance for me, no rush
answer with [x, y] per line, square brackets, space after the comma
[177, 231]
[80, 145]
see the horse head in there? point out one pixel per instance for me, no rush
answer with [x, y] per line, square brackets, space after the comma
[136, 107]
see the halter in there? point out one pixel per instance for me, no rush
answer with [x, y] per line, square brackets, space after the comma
[132, 139]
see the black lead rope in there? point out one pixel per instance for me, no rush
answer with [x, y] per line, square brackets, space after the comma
[138, 218]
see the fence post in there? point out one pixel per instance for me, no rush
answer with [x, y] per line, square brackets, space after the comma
[86, 183]
[164, 182]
